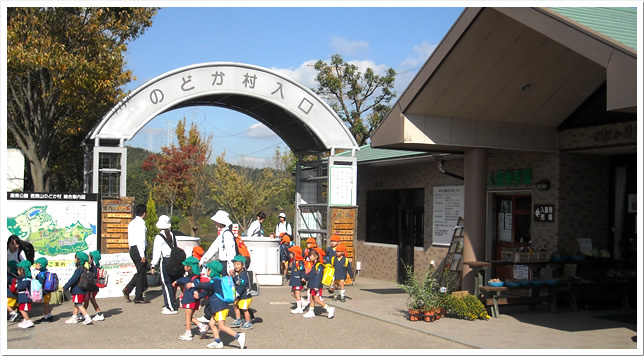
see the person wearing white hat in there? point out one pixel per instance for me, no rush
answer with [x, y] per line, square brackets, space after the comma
[223, 246]
[283, 226]
[161, 251]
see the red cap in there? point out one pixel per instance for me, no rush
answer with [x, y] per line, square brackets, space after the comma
[197, 252]
[335, 238]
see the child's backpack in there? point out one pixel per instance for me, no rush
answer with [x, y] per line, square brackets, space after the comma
[242, 249]
[88, 280]
[228, 288]
[307, 266]
[101, 278]
[175, 262]
[13, 287]
[346, 261]
[35, 291]
[329, 275]
[51, 282]
[28, 248]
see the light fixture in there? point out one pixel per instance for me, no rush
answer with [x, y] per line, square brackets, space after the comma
[543, 184]
[526, 87]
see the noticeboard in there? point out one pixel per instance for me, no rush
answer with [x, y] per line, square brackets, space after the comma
[116, 214]
[342, 186]
[448, 207]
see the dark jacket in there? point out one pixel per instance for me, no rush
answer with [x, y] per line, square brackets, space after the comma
[297, 273]
[314, 277]
[72, 283]
[340, 270]
[330, 253]
[188, 293]
[242, 285]
[24, 287]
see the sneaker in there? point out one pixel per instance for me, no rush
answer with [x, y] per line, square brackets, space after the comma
[203, 319]
[342, 299]
[72, 320]
[45, 319]
[187, 336]
[26, 324]
[13, 316]
[242, 340]
[203, 331]
[309, 314]
[215, 345]
[236, 323]
[98, 317]
[297, 311]
[247, 326]
[305, 303]
[87, 321]
[168, 311]
[330, 312]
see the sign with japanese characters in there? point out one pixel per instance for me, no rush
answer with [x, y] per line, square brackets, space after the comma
[342, 186]
[448, 207]
[544, 212]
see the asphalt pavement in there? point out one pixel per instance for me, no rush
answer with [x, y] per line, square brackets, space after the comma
[374, 316]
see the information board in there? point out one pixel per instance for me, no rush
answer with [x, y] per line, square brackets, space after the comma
[342, 186]
[116, 214]
[448, 207]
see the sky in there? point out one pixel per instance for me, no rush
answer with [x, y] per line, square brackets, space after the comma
[287, 40]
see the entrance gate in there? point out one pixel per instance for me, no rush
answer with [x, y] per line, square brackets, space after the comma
[296, 114]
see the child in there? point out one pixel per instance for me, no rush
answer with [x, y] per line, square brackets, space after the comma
[188, 301]
[12, 291]
[243, 300]
[314, 277]
[330, 250]
[41, 265]
[297, 273]
[218, 306]
[284, 246]
[310, 245]
[342, 265]
[94, 260]
[78, 294]
[23, 286]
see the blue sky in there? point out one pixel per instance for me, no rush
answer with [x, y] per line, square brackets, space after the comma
[287, 40]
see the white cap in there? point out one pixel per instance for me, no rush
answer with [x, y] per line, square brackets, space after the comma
[282, 215]
[164, 222]
[221, 217]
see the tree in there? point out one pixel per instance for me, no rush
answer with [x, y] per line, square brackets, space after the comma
[361, 101]
[181, 172]
[65, 67]
[242, 192]
[151, 219]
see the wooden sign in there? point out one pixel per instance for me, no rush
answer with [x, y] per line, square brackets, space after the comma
[117, 214]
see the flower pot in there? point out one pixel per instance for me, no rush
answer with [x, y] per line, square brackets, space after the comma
[414, 314]
[429, 315]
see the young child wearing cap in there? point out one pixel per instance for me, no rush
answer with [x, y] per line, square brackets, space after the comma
[188, 300]
[12, 291]
[314, 278]
[78, 294]
[243, 299]
[308, 265]
[23, 287]
[41, 265]
[94, 264]
[330, 250]
[342, 266]
[285, 243]
[218, 306]
[297, 277]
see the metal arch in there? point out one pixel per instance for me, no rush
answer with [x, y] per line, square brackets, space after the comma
[296, 114]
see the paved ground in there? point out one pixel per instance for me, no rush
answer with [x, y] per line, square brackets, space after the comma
[373, 317]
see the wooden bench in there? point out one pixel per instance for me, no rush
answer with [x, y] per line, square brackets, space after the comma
[491, 297]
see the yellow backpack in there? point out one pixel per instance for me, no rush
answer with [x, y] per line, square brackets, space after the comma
[329, 275]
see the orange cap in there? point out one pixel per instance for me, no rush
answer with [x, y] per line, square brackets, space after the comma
[319, 251]
[341, 247]
[296, 250]
[197, 252]
[285, 238]
[311, 240]
[335, 238]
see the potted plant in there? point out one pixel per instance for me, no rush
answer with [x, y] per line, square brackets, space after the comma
[423, 293]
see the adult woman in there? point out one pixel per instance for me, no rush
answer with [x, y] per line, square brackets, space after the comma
[14, 252]
[224, 244]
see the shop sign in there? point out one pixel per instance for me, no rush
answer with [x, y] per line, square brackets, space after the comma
[510, 177]
[544, 212]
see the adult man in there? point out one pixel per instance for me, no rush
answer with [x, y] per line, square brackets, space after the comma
[283, 226]
[255, 228]
[161, 251]
[136, 238]
[224, 244]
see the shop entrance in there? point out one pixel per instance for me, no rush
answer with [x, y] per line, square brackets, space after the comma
[511, 219]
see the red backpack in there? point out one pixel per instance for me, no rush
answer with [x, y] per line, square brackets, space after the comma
[241, 248]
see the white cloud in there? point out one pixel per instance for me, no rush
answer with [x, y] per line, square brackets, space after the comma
[259, 130]
[422, 53]
[343, 46]
[304, 74]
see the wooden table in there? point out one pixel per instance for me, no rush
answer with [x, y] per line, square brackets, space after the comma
[478, 267]
[492, 297]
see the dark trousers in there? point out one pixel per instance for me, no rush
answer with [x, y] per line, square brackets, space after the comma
[139, 280]
[169, 293]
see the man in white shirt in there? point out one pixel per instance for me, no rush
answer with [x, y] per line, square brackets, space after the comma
[160, 256]
[136, 238]
[255, 228]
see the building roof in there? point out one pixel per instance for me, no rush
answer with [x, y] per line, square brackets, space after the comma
[617, 23]
[368, 154]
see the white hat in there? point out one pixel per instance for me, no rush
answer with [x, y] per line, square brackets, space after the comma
[164, 222]
[282, 215]
[221, 217]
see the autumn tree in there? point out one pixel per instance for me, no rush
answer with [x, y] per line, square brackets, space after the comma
[242, 191]
[181, 172]
[65, 70]
[361, 100]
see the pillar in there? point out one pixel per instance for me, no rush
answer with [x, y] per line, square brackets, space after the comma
[474, 212]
